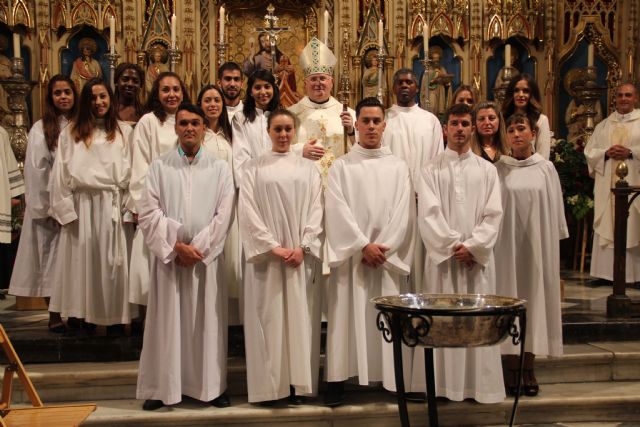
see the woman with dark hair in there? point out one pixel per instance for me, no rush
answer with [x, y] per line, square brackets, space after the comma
[489, 140]
[250, 136]
[89, 181]
[523, 96]
[153, 136]
[32, 273]
[129, 80]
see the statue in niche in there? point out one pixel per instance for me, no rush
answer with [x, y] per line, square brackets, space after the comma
[370, 75]
[438, 80]
[501, 79]
[574, 117]
[261, 60]
[85, 67]
[5, 73]
[157, 56]
[286, 76]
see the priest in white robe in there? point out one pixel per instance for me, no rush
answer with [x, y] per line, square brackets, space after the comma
[11, 185]
[370, 218]
[280, 214]
[185, 214]
[614, 140]
[459, 213]
[414, 135]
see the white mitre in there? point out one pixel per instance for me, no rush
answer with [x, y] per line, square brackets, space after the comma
[316, 57]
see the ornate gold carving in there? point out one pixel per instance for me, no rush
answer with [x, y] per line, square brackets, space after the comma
[205, 53]
[21, 14]
[84, 13]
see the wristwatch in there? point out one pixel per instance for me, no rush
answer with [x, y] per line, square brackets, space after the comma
[306, 249]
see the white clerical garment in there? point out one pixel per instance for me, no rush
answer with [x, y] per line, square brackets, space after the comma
[620, 129]
[88, 186]
[369, 199]
[414, 135]
[11, 184]
[459, 203]
[33, 271]
[321, 122]
[185, 338]
[542, 144]
[281, 205]
[527, 252]
[250, 140]
[217, 144]
[151, 139]
[231, 111]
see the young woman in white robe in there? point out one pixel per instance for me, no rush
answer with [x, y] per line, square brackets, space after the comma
[280, 215]
[33, 270]
[250, 137]
[528, 251]
[217, 140]
[89, 183]
[523, 96]
[153, 136]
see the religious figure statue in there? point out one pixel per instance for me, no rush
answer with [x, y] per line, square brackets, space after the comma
[286, 77]
[157, 57]
[503, 80]
[5, 73]
[438, 82]
[370, 75]
[85, 67]
[261, 60]
[575, 117]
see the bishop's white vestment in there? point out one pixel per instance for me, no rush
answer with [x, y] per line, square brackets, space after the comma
[185, 338]
[527, 252]
[87, 197]
[414, 135]
[459, 203]
[369, 199]
[151, 139]
[621, 129]
[281, 205]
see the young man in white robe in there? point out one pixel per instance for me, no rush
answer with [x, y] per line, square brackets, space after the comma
[615, 140]
[369, 223]
[230, 82]
[185, 213]
[459, 214]
[414, 135]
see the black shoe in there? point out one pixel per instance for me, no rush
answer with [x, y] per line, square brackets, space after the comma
[334, 396]
[221, 401]
[115, 330]
[152, 405]
[295, 399]
[267, 403]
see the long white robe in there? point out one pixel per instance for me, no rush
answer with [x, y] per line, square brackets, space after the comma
[414, 135]
[622, 130]
[527, 252]
[231, 111]
[542, 143]
[369, 199]
[250, 140]
[459, 203]
[151, 139]
[281, 205]
[87, 198]
[11, 184]
[33, 270]
[185, 338]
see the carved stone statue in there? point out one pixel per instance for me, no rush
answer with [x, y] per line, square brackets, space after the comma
[370, 75]
[85, 67]
[157, 57]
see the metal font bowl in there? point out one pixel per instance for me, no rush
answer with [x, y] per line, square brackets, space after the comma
[450, 320]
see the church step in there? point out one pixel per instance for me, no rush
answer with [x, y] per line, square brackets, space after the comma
[598, 362]
[577, 402]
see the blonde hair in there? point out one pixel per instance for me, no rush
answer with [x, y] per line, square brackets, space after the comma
[500, 137]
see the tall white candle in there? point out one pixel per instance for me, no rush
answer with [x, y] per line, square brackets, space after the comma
[16, 45]
[590, 55]
[380, 35]
[221, 25]
[173, 31]
[112, 34]
[507, 55]
[425, 36]
[325, 27]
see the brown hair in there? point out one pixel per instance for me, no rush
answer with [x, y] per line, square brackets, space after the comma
[223, 120]
[86, 122]
[463, 88]
[534, 106]
[499, 139]
[50, 116]
[153, 102]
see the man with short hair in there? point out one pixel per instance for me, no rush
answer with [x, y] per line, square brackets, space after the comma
[369, 224]
[459, 214]
[184, 215]
[615, 140]
[230, 82]
[414, 135]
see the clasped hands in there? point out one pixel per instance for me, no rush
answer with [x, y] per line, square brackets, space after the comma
[463, 256]
[618, 152]
[373, 255]
[187, 255]
[291, 257]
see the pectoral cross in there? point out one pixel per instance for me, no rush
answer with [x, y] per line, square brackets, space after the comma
[272, 30]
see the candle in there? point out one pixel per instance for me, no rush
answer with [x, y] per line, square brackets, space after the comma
[507, 55]
[112, 34]
[380, 35]
[16, 45]
[221, 26]
[590, 55]
[325, 27]
[173, 31]
[425, 36]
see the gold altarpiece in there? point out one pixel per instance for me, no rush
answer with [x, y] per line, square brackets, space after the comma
[473, 32]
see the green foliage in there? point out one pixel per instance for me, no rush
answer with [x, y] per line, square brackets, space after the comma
[577, 185]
